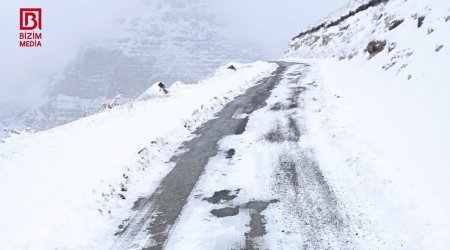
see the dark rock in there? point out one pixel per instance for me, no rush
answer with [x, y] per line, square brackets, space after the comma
[394, 24]
[391, 47]
[430, 30]
[231, 67]
[420, 21]
[163, 87]
[439, 47]
[325, 25]
[447, 19]
[344, 27]
[389, 65]
[326, 39]
[350, 57]
[375, 47]
[230, 153]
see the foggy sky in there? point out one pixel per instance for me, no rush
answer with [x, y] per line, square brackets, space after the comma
[271, 24]
[24, 72]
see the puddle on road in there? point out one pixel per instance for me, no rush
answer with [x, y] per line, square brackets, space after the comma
[257, 222]
[225, 212]
[222, 196]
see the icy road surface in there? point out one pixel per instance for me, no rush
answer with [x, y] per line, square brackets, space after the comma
[248, 181]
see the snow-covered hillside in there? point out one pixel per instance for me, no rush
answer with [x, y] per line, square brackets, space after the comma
[67, 186]
[148, 45]
[379, 113]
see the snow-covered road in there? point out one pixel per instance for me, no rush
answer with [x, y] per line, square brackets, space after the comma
[247, 181]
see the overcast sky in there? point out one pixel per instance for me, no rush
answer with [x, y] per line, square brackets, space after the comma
[266, 24]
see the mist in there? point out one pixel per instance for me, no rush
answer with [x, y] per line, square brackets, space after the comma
[271, 24]
[264, 25]
[67, 26]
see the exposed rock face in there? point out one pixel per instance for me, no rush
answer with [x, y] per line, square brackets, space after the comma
[394, 24]
[375, 47]
[361, 8]
[326, 39]
[420, 21]
[154, 47]
[231, 67]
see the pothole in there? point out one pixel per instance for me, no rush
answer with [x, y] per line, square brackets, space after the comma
[225, 212]
[222, 196]
[257, 222]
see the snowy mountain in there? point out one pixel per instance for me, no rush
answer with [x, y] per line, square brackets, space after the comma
[151, 45]
[341, 144]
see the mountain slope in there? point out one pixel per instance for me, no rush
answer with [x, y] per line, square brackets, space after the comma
[154, 46]
[379, 115]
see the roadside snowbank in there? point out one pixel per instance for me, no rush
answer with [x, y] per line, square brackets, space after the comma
[383, 142]
[68, 186]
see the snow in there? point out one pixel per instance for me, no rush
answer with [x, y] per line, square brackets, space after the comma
[249, 175]
[254, 174]
[380, 125]
[62, 188]
[388, 137]
[377, 127]
[153, 92]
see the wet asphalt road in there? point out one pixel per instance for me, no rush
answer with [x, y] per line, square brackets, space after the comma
[150, 227]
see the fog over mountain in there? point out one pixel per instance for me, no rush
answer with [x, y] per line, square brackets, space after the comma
[93, 51]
